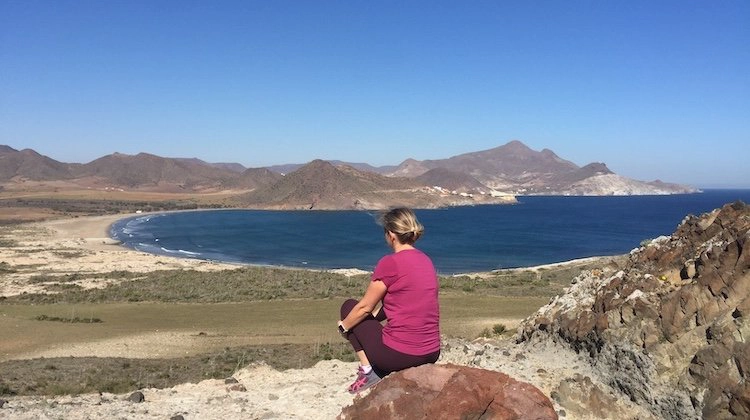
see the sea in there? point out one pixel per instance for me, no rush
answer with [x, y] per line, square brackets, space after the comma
[538, 230]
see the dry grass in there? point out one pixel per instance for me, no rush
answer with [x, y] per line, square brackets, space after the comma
[247, 323]
[171, 343]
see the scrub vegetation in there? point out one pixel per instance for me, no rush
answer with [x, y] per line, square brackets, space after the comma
[291, 313]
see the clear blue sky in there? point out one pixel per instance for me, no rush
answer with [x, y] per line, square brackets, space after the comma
[655, 89]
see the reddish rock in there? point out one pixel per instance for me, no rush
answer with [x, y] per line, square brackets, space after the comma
[450, 391]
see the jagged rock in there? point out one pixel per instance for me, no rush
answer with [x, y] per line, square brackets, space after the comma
[137, 397]
[434, 391]
[670, 329]
[2, 403]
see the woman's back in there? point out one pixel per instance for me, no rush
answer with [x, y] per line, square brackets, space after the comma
[411, 302]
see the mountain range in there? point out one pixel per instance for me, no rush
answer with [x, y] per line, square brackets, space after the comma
[490, 176]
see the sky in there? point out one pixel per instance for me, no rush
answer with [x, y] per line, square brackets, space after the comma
[654, 89]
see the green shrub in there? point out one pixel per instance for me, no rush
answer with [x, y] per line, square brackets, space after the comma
[499, 329]
[73, 320]
[486, 333]
[6, 390]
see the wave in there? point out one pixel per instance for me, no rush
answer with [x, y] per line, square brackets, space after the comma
[180, 251]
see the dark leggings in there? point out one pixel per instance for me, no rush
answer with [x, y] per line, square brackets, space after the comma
[368, 336]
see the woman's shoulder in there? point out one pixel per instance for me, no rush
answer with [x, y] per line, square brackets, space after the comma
[412, 253]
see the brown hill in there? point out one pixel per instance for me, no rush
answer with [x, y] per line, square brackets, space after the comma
[28, 164]
[452, 181]
[365, 167]
[321, 185]
[232, 166]
[511, 169]
[253, 178]
[515, 168]
[150, 172]
[141, 172]
[513, 160]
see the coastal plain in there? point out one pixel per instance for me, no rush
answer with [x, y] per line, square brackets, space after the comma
[70, 296]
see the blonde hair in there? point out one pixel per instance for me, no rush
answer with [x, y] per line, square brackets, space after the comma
[403, 222]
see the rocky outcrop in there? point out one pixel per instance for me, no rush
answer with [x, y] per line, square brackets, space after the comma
[514, 168]
[671, 328]
[613, 184]
[450, 391]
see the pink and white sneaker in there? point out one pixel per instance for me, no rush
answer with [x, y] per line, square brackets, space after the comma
[363, 381]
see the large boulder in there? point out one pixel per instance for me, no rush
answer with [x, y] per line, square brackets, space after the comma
[450, 391]
[669, 329]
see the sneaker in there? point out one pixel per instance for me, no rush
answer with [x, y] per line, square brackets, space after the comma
[363, 381]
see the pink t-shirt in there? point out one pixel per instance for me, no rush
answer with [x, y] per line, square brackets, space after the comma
[410, 302]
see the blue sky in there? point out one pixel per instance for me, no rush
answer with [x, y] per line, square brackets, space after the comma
[655, 89]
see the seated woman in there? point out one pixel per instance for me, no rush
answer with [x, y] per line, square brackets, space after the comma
[406, 284]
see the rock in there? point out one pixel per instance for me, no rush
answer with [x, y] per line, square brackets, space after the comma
[231, 381]
[670, 328]
[2, 403]
[583, 398]
[137, 397]
[433, 391]
[177, 417]
[236, 387]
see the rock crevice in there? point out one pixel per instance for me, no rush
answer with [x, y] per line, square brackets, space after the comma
[669, 328]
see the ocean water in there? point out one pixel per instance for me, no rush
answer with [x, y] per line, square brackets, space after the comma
[537, 230]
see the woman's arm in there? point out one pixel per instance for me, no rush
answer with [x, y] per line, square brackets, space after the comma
[374, 294]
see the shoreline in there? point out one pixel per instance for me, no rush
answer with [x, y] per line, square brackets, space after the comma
[73, 245]
[348, 271]
[77, 245]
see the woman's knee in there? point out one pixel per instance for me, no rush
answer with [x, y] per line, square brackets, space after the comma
[347, 307]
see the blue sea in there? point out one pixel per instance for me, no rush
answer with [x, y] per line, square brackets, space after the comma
[537, 230]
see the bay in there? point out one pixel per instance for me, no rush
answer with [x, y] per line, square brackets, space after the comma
[537, 230]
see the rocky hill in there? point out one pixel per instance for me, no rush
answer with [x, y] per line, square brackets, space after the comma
[516, 169]
[453, 181]
[670, 329]
[321, 185]
[511, 169]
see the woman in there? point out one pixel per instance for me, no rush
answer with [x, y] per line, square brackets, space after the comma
[406, 284]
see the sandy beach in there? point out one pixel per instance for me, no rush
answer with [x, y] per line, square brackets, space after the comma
[78, 245]
[82, 245]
